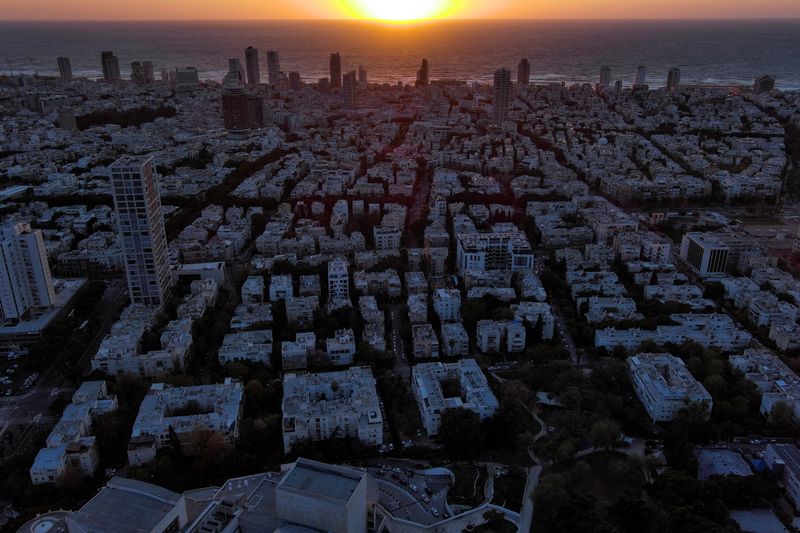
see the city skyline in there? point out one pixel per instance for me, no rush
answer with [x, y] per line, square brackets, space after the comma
[414, 10]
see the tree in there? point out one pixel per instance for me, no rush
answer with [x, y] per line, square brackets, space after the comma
[460, 431]
[604, 433]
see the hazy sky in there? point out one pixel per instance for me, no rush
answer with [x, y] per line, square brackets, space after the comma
[337, 9]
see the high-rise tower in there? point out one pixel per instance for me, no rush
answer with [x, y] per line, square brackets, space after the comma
[65, 68]
[251, 63]
[524, 72]
[424, 74]
[673, 79]
[110, 65]
[502, 94]
[25, 282]
[141, 229]
[336, 70]
[274, 68]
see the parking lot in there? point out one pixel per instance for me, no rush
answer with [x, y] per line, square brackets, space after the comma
[411, 495]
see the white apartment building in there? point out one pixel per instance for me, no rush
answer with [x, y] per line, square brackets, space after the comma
[331, 404]
[253, 290]
[217, 408]
[776, 381]
[426, 383]
[70, 445]
[387, 237]
[294, 354]
[705, 253]
[141, 229]
[447, 304]
[424, 341]
[417, 308]
[489, 336]
[665, 386]
[300, 310]
[714, 330]
[250, 346]
[338, 283]
[455, 341]
[536, 312]
[341, 348]
[502, 250]
[281, 288]
[783, 460]
[25, 282]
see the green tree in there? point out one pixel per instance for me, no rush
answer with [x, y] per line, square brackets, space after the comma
[460, 432]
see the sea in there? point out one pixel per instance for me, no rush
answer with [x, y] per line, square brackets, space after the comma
[713, 52]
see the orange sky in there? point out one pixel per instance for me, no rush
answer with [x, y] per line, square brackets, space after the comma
[305, 9]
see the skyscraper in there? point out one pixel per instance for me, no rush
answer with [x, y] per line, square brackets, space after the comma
[110, 65]
[65, 68]
[295, 83]
[234, 103]
[423, 74]
[274, 68]
[141, 229]
[235, 66]
[502, 95]
[673, 79]
[641, 77]
[148, 71]
[186, 79]
[25, 282]
[253, 72]
[137, 73]
[605, 76]
[336, 70]
[362, 75]
[349, 89]
[524, 72]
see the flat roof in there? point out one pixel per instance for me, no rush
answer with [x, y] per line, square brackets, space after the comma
[126, 506]
[319, 479]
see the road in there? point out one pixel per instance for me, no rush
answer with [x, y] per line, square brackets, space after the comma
[561, 325]
[23, 415]
[402, 367]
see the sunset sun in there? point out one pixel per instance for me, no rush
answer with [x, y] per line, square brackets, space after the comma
[399, 10]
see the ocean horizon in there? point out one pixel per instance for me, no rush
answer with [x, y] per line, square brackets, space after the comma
[713, 52]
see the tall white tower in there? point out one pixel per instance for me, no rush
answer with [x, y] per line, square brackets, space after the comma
[141, 229]
[25, 281]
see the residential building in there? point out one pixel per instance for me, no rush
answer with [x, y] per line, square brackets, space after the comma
[141, 229]
[475, 394]
[424, 341]
[250, 346]
[328, 405]
[447, 304]
[110, 65]
[665, 386]
[251, 63]
[294, 354]
[338, 283]
[65, 68]
[274, 68]
[524, 73]
[341, 349]
[181, 411]
[336, 70]
[26, 286]
[706, 254]
[502, 95]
